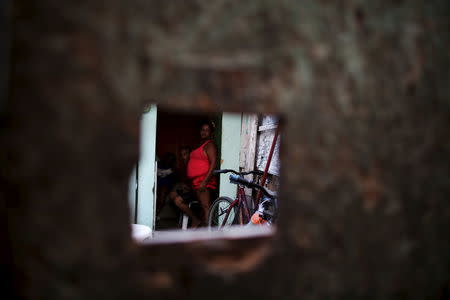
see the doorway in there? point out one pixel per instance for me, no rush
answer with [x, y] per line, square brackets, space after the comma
[167, 132]
[175, 131]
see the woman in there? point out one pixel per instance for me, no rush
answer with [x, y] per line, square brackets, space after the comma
[202, 162]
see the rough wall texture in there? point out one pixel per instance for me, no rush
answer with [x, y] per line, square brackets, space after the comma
[265, 140]
[363, 86]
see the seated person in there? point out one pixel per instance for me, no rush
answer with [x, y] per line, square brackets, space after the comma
[165, 179]
[181, 193]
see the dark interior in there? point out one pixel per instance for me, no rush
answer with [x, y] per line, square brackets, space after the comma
[174, 131]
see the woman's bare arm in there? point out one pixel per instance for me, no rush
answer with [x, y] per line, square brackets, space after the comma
[211, 152]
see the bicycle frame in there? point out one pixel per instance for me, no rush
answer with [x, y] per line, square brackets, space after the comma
[241, 202]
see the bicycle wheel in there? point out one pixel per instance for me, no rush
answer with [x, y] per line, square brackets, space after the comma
[218, 211]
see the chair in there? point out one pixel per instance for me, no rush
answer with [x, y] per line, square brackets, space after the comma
[184, 219]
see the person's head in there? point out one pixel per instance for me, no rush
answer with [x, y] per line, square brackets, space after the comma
[168, 159]
[206, 130]
[184, 152]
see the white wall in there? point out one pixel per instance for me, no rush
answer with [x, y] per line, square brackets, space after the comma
[231, 145]
[146, 172]
[265, 139]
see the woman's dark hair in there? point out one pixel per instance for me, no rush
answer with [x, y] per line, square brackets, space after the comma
[210, 124]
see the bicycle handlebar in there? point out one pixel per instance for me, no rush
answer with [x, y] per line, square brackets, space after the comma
[255, 172]
[236, 179]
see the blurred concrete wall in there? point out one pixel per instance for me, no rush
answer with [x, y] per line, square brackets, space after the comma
[362, 85]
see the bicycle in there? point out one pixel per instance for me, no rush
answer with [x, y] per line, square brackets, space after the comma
[226, 212]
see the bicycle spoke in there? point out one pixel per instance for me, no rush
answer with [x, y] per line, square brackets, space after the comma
[222, 213]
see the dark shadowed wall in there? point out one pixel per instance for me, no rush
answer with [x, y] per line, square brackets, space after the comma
[362, 87]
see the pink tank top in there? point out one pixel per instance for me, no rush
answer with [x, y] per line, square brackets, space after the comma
[198, 164]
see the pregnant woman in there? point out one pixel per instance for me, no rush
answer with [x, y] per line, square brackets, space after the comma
[202, 162]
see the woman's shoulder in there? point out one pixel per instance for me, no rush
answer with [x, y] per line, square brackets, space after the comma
[209, 144]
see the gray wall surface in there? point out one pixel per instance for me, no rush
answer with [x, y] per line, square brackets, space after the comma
[362, 87]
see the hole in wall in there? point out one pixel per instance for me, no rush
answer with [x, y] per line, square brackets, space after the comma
[205, 176]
